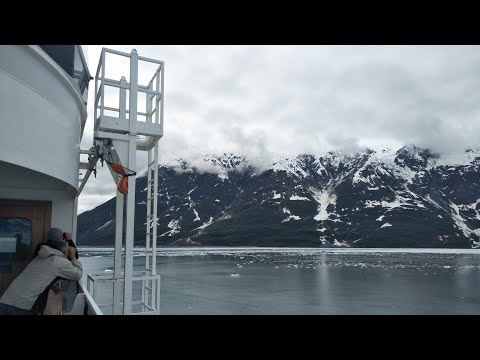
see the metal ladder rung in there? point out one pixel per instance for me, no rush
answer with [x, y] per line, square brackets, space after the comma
[152, 182]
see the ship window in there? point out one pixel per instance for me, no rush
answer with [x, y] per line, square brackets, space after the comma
[15, 238]
[72, 60]
[80, 72]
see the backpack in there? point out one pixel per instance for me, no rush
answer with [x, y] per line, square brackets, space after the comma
[54, 305]
[50, 301]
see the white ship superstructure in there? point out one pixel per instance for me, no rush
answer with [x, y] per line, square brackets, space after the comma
[43, 102]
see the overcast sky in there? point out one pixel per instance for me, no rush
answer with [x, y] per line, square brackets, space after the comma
[268, 102]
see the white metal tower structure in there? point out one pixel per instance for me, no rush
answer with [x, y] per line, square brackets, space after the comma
[118, 137]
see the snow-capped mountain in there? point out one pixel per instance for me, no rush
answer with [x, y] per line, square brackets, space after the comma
[411, 197]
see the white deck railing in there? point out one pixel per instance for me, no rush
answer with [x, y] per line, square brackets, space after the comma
[149, 282]
[93, 308]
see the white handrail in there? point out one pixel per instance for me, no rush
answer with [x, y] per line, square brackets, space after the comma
[92, 305]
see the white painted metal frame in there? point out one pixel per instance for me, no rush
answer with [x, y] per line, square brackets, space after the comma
[148, 308]
[122, 133]
[149, 292]
[92, 305]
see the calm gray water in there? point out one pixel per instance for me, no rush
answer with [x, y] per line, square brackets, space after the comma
[309, 281]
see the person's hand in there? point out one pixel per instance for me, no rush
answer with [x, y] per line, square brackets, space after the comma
[71, 252]
[68, 236]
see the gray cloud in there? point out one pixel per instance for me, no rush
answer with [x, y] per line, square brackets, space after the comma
[267, 102]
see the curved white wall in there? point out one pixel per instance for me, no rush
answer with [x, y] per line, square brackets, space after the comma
[19, 183]
[41, 114]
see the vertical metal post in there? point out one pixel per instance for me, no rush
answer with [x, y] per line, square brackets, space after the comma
[95, 104]
[143, 295]
[148, 231]
[117, 274]
[158, 98]
[158, 296]
[102, 84]
[74, 222]
[163, 96]
[154, 222]
[149, 205]
[123, 100]
[89, 285]
[132, 148]
[155, 199]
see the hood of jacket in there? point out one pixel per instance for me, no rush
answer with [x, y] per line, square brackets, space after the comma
[46, 251]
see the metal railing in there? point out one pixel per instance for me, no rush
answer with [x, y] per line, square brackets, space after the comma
[93, 308]
[145, 305]
[154, 89]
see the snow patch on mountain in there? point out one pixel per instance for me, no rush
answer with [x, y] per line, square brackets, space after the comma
[104, 225]
[197, 218]
[341, 243]
[205, 224]
[174, 225]
[290, 217]
[296, 197]
[324, 199]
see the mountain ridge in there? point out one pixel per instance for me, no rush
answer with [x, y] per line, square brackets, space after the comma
[410, 197]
